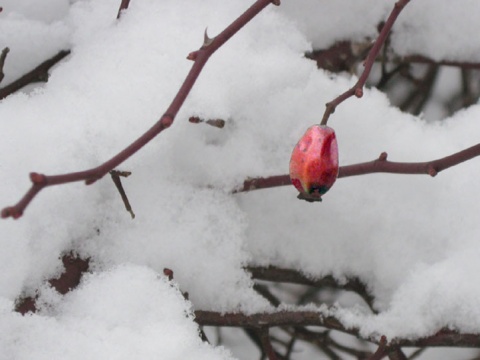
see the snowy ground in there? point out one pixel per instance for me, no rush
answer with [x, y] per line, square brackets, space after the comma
[412, 239]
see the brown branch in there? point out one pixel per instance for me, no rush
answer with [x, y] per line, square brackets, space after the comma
[267, 347]
[381, 351]
[261, 320]
[357, 89]
[275, 274]
[115, 174]
[419, 59]
[74, 268]
[200, 58]
[381, 165]
[3, 57]
[311, 318]
[123, 6]
[40, 73]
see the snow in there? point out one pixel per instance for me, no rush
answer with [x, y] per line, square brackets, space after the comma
[412, 239]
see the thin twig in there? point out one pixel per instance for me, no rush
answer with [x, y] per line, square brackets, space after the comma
[380, 165]
[40, 73]
[200, 58]
[276, 274]
[357, 89]
[123, 6]
[115, 174]
[3, 56]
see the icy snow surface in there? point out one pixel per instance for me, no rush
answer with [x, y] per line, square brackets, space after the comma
[412, 239]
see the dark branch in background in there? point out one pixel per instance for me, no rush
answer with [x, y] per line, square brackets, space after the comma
[115, 174]
[123, 6]
[200, 58]
[381, 351]
[311, 318]
[39, 74]
[74, 268]
[279, 275]
[419, 59]
[357, 89]
[266, 344]
[381, 165]
[3, 56]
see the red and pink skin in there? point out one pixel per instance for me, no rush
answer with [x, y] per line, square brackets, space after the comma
[314, 162]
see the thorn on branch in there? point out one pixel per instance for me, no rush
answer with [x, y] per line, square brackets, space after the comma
[206, 40]
[115, 174]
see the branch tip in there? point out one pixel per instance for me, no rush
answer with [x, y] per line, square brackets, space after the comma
[11, 212]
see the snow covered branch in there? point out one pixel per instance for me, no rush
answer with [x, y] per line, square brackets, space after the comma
[380, 165]
[276, 274]
[200, 58]
[40, 73]
[357, 89]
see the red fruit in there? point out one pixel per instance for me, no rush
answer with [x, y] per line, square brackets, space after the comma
[314, 162]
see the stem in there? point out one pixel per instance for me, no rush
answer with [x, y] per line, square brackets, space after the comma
[357, 89]
[200, 57]
[380, 165]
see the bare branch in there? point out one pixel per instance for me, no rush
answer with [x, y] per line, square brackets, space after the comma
[357, 89]
[40, 73]
[381, 351]
[380, 165]
[200, 58]
[267, 347]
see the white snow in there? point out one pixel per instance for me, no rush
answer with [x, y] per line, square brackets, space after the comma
[412, 239]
